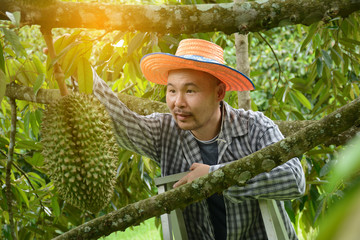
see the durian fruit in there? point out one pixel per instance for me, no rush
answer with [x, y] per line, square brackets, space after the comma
[80, 151]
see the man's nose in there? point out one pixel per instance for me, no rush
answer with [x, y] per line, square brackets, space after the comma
[180, 101]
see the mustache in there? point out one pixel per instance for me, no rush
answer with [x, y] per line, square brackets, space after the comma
[181, 112]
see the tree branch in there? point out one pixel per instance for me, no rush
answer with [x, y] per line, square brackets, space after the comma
[237, 172]
[9, 165]
[253, 16]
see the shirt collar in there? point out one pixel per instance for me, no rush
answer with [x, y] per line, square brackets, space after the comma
[233, 124]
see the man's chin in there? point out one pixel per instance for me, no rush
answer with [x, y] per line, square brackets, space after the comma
[185, 126]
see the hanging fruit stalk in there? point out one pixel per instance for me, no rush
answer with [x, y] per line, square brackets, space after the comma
[58, 73]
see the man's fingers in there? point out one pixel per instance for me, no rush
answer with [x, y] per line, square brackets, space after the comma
[181, 182]
[193, 166]
[197, 170]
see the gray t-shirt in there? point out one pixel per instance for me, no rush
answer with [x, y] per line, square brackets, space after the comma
[209, 154]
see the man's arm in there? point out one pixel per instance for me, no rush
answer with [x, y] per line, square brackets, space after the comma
[134, 132]
[284, 182]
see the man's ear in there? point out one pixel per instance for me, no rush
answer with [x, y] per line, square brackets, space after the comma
[221, 90]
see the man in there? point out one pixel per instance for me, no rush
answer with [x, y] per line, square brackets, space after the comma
[202, 134]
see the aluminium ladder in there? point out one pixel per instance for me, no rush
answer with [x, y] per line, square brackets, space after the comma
[173, 225]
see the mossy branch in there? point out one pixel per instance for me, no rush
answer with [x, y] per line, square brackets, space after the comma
[244, 17]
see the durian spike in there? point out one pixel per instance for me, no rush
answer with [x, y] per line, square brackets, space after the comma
[58, 73]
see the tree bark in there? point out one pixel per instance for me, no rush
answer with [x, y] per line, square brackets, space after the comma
[145, 106]
[236, 173]
[242, 63]
[229, 18]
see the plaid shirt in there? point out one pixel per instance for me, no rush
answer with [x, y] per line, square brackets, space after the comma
[158, 137]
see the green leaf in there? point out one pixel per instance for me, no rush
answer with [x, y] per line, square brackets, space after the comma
[348, 164]
[319, 210]
[356, 88]
[14, 18]
[340, 78]
[297, 115]
[312, 31]
[34, 124]
[347, 209]
[351, 41]
[3, 142]
[326, 168]
[28, 144]
[70, 60]
[38, 114]
[319, 67]
[37, 160]
[316, 41]
[55, 206]
[304, 101]
[37, 178]
[62, 53]
[2, 85]
[2, 59]
[338, 59]
[38, 83]
[85, 76]
[39, 65]
[14, 41]
[23, 196]
[5, 215]
[327, 58]
[135, 43]
[132, 71]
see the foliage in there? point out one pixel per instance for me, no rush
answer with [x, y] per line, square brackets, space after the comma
[145, 231]
[342, 219]
[319, 72]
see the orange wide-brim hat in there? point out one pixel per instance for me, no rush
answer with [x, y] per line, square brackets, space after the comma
[196, 54]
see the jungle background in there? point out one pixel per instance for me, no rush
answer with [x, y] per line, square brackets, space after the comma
[300, 73]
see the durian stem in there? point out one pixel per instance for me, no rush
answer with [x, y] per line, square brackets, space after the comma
[58, 73]
[8, 166]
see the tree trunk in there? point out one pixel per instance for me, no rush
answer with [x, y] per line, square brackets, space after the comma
[229, 18]
[237, 172]
[242, 62]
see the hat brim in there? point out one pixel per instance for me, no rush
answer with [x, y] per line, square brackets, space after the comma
[155, 67]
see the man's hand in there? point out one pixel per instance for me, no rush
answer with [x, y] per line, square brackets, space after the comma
[196, 170]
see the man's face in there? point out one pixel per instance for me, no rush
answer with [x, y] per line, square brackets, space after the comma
[193, 98]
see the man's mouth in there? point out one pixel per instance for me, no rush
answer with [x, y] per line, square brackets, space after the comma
[182, 116]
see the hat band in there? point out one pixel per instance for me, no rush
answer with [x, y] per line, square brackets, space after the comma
[199, 58]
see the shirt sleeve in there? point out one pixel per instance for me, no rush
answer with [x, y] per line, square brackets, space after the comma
[284, 182]
[134, 132]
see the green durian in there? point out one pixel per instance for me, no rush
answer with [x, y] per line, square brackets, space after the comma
[80, 151]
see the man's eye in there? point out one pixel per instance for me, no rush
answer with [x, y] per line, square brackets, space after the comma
[190, 91]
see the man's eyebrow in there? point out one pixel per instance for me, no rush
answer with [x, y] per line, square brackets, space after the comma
[186, 84]
[191, 84]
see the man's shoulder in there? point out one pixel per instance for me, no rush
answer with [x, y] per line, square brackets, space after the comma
[250, 117]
